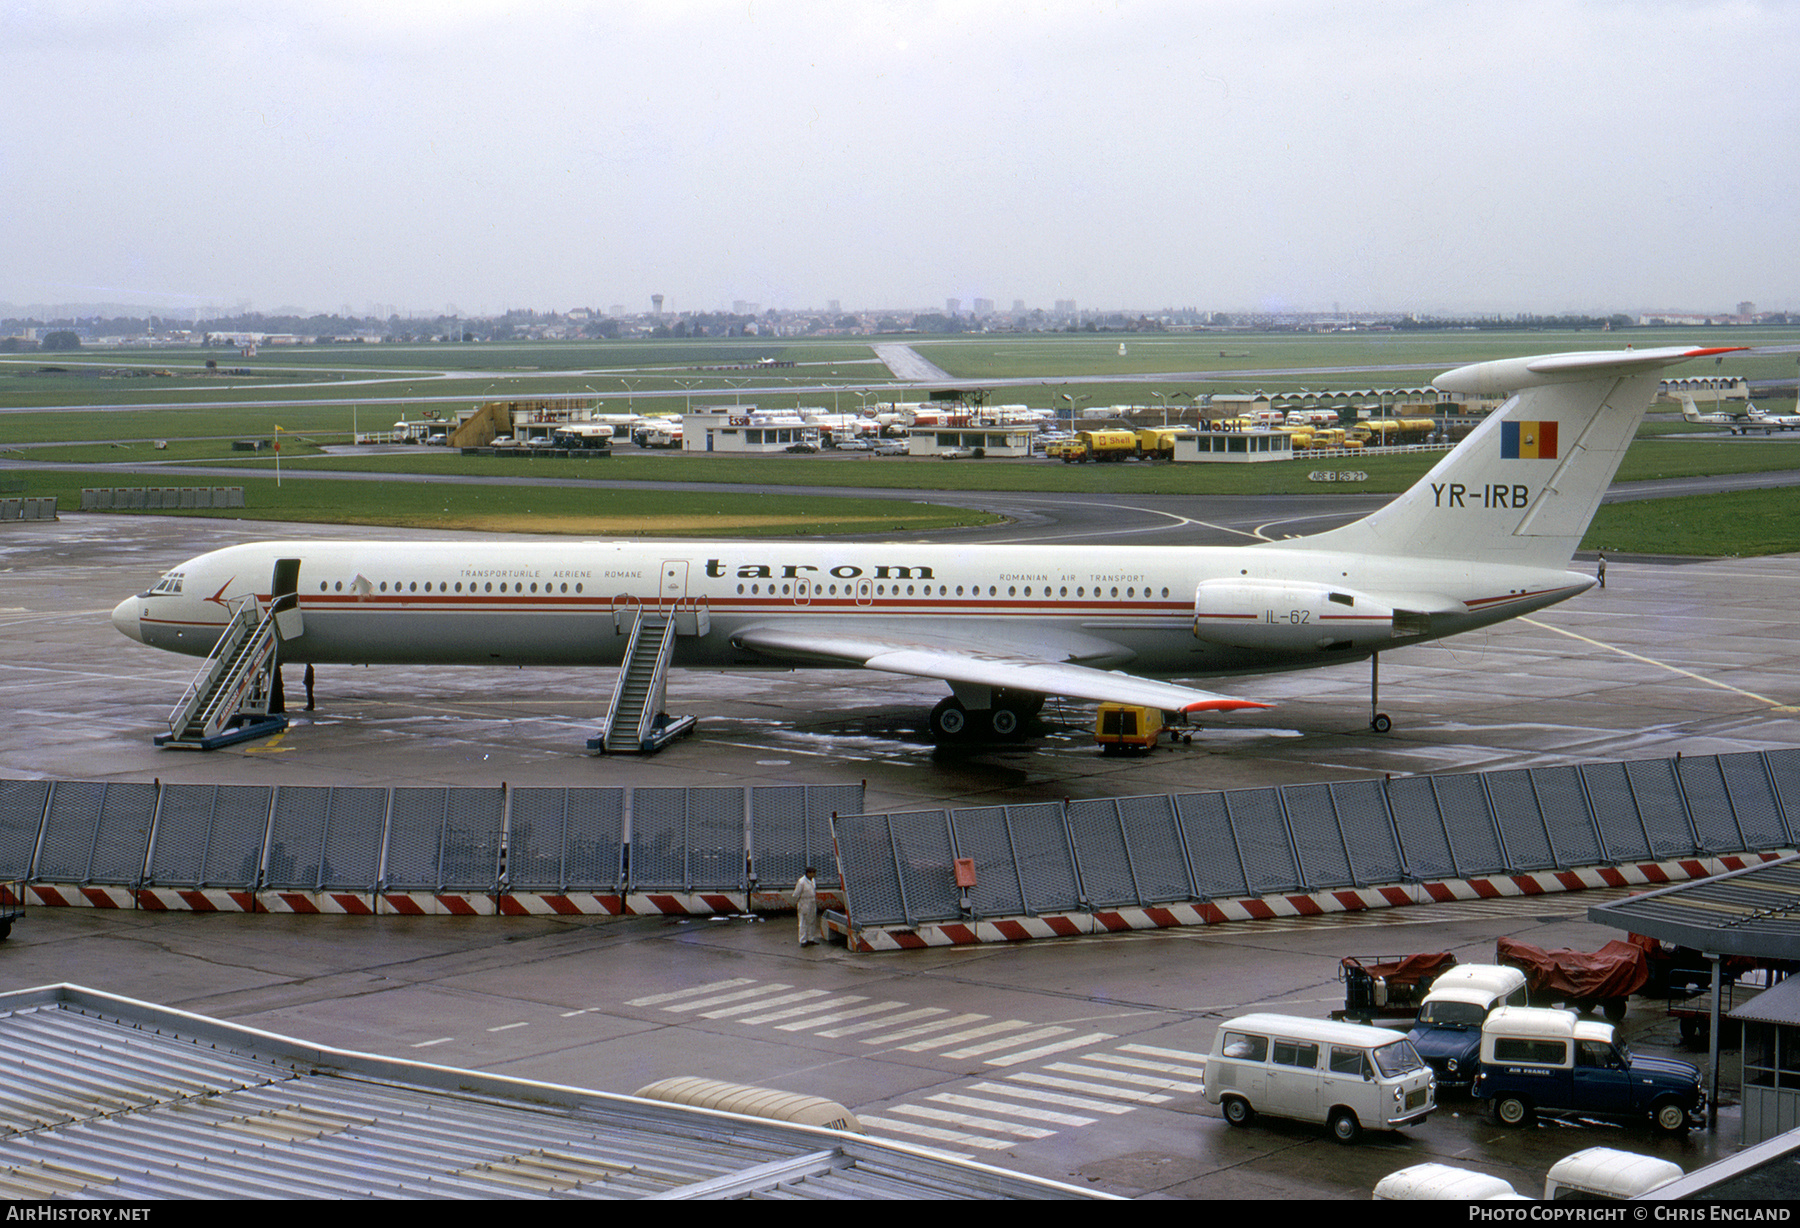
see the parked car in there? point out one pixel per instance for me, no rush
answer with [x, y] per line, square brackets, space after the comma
[12, 904]
[1345, 1075]
[1447, 1033]
[1536, 1059]
[891, 447]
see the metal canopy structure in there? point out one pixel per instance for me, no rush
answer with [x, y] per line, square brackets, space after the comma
[113, 1098]
[1754, 912]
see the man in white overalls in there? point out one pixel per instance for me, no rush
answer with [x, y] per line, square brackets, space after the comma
[806, 904]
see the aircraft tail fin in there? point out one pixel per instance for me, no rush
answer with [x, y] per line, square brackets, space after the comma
[1525, 483]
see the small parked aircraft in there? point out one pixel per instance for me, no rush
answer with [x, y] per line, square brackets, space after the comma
[1740, 421]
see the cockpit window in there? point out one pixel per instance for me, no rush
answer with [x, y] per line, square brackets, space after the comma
[170, 583]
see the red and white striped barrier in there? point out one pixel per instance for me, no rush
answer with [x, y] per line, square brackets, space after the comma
[191, 899]
[568, 904]
[647, 904]
[890, 937]
[64, 895]
[436, 904]
[310, 903]
[1314, 904]
[391, 903]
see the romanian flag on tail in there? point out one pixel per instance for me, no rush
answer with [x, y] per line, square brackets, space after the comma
[1528, 441]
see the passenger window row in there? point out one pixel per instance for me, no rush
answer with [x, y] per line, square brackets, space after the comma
[445, 587]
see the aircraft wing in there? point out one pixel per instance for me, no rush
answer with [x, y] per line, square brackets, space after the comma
[991, 665]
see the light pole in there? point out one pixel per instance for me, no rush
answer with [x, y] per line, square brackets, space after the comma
[1073, 402]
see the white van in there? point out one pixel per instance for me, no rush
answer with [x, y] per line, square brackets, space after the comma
[1605, 1174]
[1448, 1032]
[1441, 1181]
[1343, 1074]
[1500, 984]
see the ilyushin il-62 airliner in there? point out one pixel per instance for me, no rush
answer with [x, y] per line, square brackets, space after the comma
[1486, 535]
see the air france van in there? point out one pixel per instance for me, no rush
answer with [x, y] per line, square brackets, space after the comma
[1346, 1075]
[1535, 1059]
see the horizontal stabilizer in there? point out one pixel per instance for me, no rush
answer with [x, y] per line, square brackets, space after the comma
[1513, 374]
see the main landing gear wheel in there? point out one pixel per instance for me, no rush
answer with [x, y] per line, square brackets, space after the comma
[954, 725]
[1382, 722]
[1005, 723]
[949, 722]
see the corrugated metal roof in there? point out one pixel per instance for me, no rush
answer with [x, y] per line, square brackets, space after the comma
[115, 1098]
[1777, 1004]
[1746, 912]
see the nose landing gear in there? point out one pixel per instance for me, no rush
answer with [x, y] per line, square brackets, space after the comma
[1379, 721]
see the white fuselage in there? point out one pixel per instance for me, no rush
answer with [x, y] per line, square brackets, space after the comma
[570, 603]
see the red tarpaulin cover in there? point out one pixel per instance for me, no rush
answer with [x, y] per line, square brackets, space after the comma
[1408, 969]
[1616, 970]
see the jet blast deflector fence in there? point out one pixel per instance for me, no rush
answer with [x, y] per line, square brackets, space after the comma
[276, 838]
[1144, 852]
[155, 498]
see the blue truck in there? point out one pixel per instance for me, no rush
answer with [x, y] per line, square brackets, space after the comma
[1447, 1032]
[1537, 1060]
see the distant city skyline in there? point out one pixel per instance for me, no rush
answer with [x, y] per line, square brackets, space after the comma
[479, 155]
[1062, 310]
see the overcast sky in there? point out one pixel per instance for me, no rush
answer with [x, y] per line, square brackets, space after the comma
[1498, 155]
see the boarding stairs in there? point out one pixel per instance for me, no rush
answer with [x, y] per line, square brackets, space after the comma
[635, 722]
[229, 699]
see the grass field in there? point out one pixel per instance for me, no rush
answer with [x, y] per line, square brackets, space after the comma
[538, 509]
[624, 371]
[175, 391]
[1746, 523]
[1739, 524]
